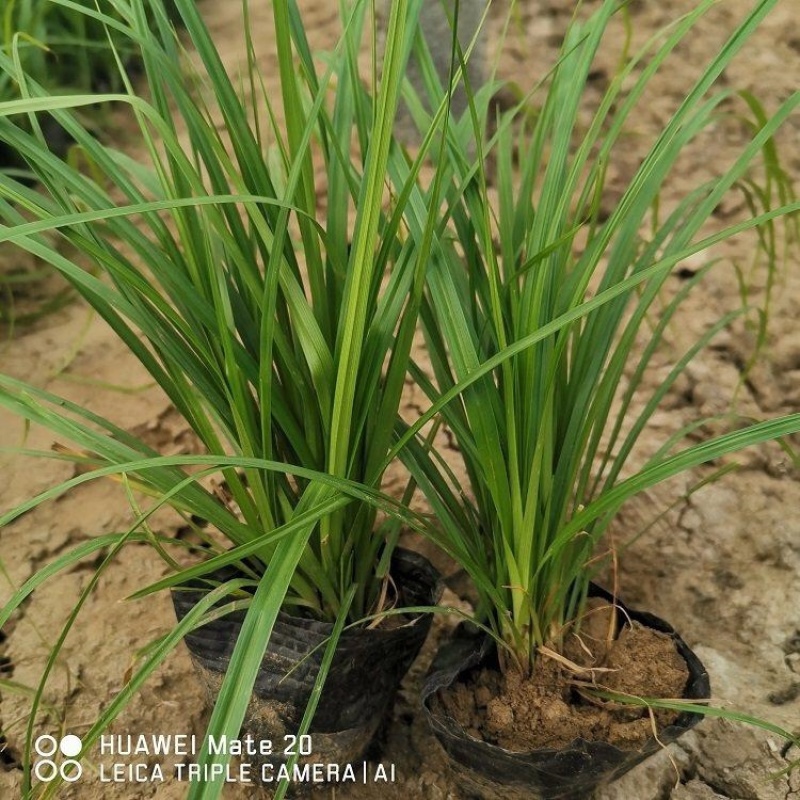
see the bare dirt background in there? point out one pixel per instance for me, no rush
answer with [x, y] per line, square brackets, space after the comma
[722, 565]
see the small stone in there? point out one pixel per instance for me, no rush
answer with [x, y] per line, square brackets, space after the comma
[695, 790]
[499, 715]
[654, 777]
[785, 695]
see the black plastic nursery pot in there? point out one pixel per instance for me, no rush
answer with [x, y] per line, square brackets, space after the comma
[486, 771]
[367, 667]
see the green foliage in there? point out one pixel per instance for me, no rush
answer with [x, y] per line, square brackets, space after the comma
[539, 347]
[281, 333]
[64, 44]
[289, 351]
[61, 46]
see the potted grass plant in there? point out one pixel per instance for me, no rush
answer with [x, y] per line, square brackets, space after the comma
[280, 332]
[538, 350]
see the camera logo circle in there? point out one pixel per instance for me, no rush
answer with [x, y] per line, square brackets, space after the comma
[45, 767]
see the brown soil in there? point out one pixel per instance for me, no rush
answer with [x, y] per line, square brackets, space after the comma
[721, 563]
[549, 709]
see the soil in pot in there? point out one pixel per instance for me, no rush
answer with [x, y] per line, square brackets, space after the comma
[542, 737]
[550, 708]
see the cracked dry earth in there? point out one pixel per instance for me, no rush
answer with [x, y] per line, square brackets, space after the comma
[722, 563]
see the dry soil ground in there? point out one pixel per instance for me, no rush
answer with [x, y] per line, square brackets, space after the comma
[723, 564]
